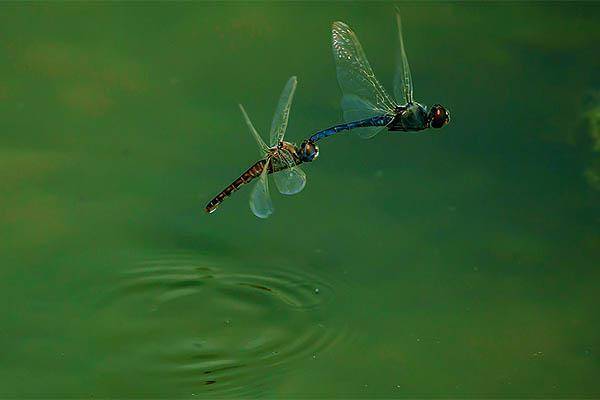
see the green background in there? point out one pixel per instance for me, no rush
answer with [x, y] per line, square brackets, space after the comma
[456, 263]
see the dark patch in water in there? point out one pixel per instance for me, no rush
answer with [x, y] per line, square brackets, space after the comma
[256, 286]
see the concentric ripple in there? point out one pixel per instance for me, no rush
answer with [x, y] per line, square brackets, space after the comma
[221, 329]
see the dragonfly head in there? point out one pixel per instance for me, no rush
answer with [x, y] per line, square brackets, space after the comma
[438, 116]
[308, 151]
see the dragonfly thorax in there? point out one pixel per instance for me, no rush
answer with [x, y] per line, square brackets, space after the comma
[282, 156]
[284, 147]
[410, 117]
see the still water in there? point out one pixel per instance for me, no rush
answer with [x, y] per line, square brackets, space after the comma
[459, 263]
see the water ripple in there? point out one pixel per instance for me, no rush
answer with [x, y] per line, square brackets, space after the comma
[223, 329]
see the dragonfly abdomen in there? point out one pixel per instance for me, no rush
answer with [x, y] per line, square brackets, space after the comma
[380, 120]
[251, 173]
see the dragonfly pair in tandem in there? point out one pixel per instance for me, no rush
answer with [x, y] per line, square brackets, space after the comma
[367, 109]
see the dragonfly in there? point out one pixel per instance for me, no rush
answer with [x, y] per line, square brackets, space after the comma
[280, 158]
[365, 103]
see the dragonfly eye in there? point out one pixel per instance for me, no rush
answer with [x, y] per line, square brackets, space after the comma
[308, 151]
[438, 116]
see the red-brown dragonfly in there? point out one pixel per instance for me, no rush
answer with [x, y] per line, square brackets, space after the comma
[281, 158]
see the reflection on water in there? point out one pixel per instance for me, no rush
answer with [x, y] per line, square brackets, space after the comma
[223, 329]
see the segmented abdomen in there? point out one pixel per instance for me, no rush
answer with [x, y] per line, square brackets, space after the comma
[251, 173]
[380, 120]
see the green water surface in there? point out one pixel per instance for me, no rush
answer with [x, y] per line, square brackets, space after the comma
[458, 263]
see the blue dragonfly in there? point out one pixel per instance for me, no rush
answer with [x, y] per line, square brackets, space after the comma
[280, 158]
[366, 105]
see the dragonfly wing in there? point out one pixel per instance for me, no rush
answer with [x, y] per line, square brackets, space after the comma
[292, 179]
[260, 200]
[403, 87]
[261, 144]
[356, 77]
[282, 112]
[356, 108]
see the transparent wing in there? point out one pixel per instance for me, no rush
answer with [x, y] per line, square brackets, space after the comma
[355, 109]
[260, 200]
[356, 77]
[292, 179]
[282, 112]
[403, 87]
[261, 144]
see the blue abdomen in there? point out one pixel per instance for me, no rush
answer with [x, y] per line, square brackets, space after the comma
[380, 120]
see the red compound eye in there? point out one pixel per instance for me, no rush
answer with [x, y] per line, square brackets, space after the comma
[439, 116]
